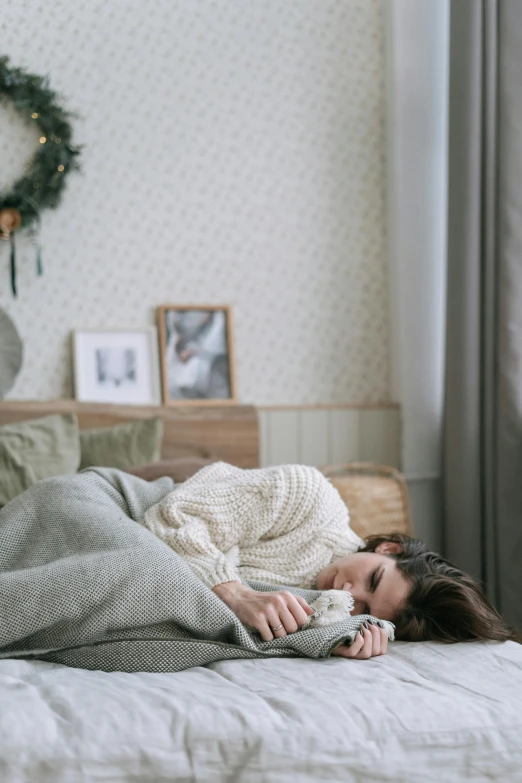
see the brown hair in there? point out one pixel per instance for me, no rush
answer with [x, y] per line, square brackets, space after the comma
[444, 604]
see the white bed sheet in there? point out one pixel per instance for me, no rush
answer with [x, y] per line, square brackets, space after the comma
[424, 712]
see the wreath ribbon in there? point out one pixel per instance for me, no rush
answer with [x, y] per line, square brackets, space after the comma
[10, 221]
[13, 264]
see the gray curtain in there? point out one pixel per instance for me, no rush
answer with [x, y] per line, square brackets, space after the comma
[482, 470]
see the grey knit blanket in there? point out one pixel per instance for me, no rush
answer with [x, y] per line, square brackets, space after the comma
[82, 583]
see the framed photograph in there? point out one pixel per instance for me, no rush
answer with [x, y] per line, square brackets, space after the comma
[196, 354]
[117, 365]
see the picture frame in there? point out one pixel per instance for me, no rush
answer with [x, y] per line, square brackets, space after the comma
[119, 366]
[197, 354]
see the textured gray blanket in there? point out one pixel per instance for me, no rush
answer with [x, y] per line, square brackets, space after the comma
[84, 584]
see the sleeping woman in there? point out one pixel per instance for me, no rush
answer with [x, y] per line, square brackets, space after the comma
[288, 525]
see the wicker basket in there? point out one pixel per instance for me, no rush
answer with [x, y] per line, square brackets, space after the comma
[376, 495]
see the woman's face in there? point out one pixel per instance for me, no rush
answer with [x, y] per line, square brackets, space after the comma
[378, 587]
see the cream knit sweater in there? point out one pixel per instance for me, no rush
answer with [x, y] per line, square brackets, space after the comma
[281, 524]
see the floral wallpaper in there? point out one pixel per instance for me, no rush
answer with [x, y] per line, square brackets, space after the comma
[233, 154]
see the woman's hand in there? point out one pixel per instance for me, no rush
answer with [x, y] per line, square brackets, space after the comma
[265, 611]
[369, 641]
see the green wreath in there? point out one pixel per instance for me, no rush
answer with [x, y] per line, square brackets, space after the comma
[43, 183]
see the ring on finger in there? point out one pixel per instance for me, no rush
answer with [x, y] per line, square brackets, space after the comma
[277, 628]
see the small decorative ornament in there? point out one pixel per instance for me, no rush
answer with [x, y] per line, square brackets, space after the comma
[10, 220]
[43, 182]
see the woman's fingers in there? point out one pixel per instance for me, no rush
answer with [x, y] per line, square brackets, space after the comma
[271, 618]
[376, 639]
[355, 648]
[291, 612]
[288, 611]
[368, 643]
[287, 618]
[269, 611]
[300, 609]
[366, 650]
[276, 618]
[342, 651]
[307, 608]
[361, 647]
[264, 629]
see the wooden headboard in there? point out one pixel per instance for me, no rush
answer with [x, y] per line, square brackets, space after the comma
[228, 432]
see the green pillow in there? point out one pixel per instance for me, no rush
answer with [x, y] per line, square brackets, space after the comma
[36, 449]
[122, 446]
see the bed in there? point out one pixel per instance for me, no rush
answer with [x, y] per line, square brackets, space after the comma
[423, 712]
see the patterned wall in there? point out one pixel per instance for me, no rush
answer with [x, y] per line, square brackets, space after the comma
[234, 153]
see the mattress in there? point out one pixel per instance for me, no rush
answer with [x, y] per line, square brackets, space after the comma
[424, 712]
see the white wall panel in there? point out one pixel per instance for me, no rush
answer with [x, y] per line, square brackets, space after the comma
[344, 436]
[284, 437]
[328, 436]
[315, 437]
[264, 437]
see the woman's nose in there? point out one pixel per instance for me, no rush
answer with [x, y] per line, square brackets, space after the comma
[347, 586]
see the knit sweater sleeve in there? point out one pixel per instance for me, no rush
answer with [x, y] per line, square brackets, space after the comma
[206, 516]
[276, 517]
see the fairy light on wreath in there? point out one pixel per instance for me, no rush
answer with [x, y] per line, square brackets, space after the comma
[43, 183]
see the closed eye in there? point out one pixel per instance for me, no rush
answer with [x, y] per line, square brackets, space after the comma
[376, 579]
[373, 585]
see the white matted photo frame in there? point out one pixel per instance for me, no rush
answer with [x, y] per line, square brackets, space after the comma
[117, 365]
[197, 354]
